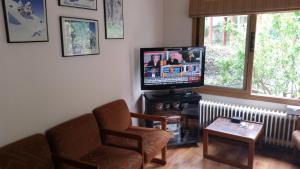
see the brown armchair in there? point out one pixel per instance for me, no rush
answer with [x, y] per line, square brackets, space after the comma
[116, 116]
[296, 138]
[29, 153]
[78, 142]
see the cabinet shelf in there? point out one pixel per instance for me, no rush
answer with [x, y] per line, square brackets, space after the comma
[181, 106]
[178, 140]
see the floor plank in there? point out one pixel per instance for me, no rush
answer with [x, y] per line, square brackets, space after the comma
[192, 158]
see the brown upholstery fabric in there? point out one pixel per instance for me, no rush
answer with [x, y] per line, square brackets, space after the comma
[296, 139]
[79, 139]
[76, 137]
[114, 115]
[30, 153]
[114, 158]
[153, 140]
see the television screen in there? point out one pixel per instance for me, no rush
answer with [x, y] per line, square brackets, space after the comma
[168, 68]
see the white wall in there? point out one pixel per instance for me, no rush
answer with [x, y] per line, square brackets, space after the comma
[177, 24]
[178, 32]
[39, 88]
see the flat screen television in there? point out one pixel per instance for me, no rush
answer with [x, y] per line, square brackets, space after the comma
[171, 68]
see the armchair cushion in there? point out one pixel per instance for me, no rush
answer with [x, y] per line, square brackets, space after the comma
[76, 137]
[154, 140]
[29, 153]
[113, 116]
[296, 139]
[114, 158]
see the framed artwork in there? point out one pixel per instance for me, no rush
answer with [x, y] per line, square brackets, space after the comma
[114, 22]
[85, 4]
[79, 36]
[25, 21]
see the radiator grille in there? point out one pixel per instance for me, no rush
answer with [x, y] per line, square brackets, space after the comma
[278, 125]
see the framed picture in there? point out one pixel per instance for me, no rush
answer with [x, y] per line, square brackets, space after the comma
[85, 4]
[25, 21]
[114, 22]
[79, 36]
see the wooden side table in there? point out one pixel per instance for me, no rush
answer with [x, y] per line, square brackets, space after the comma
[224, 128]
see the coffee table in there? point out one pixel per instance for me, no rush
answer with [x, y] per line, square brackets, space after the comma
[247, 132]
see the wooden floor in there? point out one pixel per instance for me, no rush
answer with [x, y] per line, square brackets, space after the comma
[192, 158]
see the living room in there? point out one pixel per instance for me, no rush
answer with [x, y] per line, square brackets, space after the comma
[46, 88]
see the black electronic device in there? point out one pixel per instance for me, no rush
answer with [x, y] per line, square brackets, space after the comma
[236, 120]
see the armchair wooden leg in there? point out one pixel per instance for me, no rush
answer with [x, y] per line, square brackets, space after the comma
[294, 155]
[164, 154]
[163, 160]
[143, 161]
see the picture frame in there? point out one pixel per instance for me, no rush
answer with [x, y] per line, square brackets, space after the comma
[25, 21]
[79, 36]
[114, 19]
[83, 4]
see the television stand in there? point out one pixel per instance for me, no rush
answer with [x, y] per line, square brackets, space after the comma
[168, 95]
[182, 111]
[173, 93]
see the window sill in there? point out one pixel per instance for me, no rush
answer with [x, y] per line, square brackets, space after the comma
[244, 94]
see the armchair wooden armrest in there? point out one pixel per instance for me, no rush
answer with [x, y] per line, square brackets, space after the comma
[162, 119]
[74, 163]
[139, 139]
[298, 124]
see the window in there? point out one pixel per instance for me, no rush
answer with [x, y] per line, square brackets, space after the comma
[277, 55]
[252, 56]
[225, 41]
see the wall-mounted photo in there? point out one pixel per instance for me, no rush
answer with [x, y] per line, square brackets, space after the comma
[25, 20]
[79, 36]
[85, 4]
[114, 22]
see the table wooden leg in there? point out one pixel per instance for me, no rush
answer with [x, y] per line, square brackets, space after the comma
[251, 153]
[294, 155]
[261, 140]
[205, 143]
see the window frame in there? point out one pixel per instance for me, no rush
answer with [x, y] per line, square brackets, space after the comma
[245, 92]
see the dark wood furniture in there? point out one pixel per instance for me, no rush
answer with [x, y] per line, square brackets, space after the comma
[224, 128]
[182, 112]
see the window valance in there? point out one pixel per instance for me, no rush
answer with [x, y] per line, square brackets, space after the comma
[200, 8]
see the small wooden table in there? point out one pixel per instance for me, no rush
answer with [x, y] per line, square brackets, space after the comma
[223, 127]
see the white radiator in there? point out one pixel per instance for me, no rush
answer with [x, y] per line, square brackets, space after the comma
[278, 125]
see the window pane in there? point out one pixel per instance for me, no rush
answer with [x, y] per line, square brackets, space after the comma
[277, 55]
[225, 41]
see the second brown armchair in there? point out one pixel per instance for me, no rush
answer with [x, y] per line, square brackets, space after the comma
[116, 116]
[78, 142]
[296, 140]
